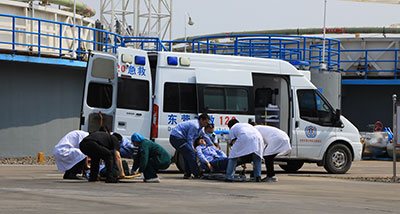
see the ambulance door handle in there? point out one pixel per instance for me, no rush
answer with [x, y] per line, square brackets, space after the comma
[121, 123]
[296, 124]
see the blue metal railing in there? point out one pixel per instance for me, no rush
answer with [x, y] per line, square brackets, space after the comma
[368, 65]
[32, 29]
[32, 34]
[290, 48]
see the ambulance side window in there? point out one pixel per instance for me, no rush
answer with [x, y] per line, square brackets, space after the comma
[180, 97]
[133, 94]
[225, 99]
[99, 95]
[314, 108]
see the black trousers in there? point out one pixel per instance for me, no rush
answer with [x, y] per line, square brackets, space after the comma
[97, 152]
[76, 169]
[269, 164]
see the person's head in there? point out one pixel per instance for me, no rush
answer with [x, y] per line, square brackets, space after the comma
[118, 136]
[252, 122]
[209, 128]
[232, 122]
[204, 119]
[199, 141]
[104, 129]
[136, 139]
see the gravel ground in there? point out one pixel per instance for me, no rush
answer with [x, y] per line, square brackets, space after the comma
[383, 179]
[386, 179]
[48, 160]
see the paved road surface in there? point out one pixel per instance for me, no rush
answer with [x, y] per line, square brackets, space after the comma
[41, 189]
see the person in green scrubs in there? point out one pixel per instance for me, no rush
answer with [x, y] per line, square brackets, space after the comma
[150, 158]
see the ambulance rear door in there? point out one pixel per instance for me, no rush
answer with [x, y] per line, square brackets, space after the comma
[100, 94]
[134, 100]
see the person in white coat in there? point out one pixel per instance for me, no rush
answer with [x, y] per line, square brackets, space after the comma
[246, 140]
[276, 142]
[68, 156]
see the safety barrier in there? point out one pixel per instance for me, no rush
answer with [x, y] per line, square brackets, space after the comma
[295, 49]
[371, 63]
[39, 36]
[50, 38]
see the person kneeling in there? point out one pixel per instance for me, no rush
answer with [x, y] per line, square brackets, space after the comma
[150, 158]
[211, 158]
[102, 145]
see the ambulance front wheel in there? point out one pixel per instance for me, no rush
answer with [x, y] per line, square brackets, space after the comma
[292, 166]
[338, 159]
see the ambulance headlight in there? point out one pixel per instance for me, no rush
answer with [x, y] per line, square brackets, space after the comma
[172, 60]
[140, 60]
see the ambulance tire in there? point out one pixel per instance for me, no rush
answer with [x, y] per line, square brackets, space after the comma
[338, 159]
[180, 163]
[292, 166]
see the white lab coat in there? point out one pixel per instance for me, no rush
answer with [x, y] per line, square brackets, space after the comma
[67, 152]
[276, 141]
[248, 140]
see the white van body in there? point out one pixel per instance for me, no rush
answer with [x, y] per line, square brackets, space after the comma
[183, 85]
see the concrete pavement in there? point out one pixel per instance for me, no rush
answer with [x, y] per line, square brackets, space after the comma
[41, 189]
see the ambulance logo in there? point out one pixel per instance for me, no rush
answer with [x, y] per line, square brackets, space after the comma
[311, 131]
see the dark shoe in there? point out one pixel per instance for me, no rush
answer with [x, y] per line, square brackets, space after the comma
[111, 180]
[187, 176]
[258, 179]
[198, 177]
[93, 180]
[72, 177]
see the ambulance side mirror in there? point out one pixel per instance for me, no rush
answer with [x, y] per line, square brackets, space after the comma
[336, 117]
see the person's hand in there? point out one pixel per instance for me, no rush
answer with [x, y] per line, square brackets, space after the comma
[122, 175]
[210, 167]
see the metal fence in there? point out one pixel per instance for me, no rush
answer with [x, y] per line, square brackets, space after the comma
[50, 38]
[37, 40]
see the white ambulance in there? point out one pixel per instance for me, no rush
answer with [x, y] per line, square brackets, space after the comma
[151, 93]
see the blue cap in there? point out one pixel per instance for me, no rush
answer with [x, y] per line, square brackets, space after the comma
[136, 137]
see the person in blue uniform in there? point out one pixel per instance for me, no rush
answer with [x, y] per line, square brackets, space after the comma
[211, 158]
[182, 138]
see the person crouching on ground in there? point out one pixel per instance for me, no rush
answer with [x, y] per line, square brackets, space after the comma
[69, 158]
[276, 142]
[246, 140]
[211, 158]
[102, 145]
[182, 138]
[150, 158]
